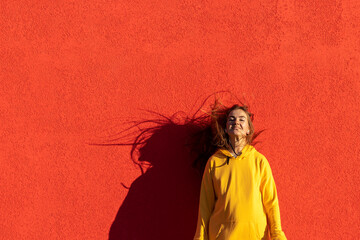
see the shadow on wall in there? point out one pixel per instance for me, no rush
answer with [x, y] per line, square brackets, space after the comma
[163, 202]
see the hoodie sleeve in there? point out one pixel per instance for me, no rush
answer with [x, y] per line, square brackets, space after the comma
[206, 206]
[270, 201]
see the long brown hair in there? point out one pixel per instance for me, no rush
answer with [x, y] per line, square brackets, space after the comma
[212, 135]
[219, 118]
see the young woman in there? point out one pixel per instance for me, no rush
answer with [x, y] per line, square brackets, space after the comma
[238, 199]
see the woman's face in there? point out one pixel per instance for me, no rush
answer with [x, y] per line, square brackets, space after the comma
[237, 123]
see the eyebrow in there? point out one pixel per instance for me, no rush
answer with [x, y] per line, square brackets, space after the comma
[239, 117]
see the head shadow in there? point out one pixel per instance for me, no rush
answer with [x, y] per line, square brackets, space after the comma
[162, 203]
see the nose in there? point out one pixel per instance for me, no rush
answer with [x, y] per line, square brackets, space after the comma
[237, 122]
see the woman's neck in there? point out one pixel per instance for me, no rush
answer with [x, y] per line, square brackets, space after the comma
[237, 144]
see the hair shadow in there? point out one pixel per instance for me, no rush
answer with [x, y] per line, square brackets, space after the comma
[162, 203]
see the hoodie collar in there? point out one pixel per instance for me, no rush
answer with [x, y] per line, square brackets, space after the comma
[244, 151]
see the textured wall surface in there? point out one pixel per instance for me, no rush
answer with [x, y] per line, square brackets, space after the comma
[75, 71]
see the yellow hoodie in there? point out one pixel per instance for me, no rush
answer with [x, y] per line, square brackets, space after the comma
[238, 199]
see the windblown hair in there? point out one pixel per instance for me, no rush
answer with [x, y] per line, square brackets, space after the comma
[205, 131]
[218, 124]
[213, 135]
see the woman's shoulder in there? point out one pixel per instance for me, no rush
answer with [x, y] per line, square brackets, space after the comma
[220, 154]
[259, 157]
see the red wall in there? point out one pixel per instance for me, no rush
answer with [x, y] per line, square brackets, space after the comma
[75, 71]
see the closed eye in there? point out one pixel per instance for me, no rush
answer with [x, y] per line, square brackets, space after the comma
[232, 119]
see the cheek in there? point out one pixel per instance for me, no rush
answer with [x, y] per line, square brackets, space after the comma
[229, 126]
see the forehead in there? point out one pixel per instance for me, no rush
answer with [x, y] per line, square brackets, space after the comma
[237, 113]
